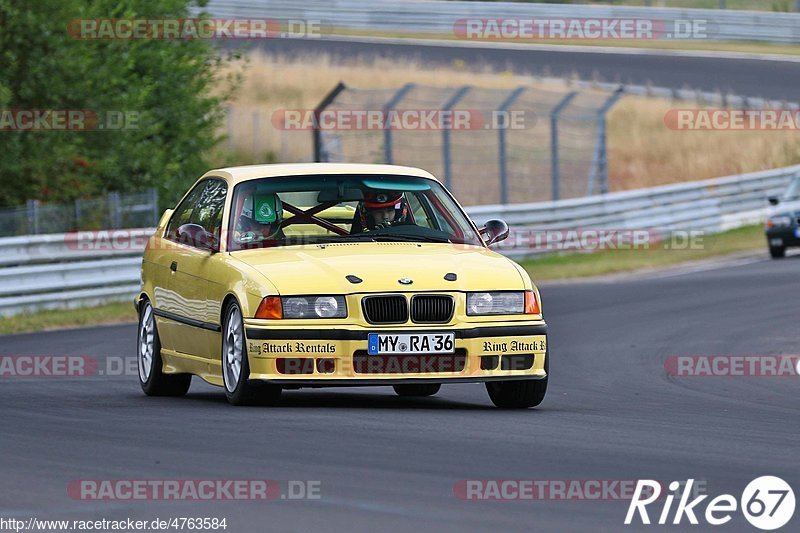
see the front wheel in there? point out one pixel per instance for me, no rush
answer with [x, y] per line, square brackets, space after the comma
[777, 252]
[418, 390]
[236, 367]
[152, 378]
[520, 394]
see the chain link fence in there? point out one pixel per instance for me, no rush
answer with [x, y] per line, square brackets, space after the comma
[521, 145]
[114, 211]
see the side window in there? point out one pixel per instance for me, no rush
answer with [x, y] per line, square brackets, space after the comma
[203, 206]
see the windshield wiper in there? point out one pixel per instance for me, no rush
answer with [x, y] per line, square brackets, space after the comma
[410, 238]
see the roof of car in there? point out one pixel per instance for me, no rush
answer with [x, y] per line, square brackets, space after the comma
[244, 173]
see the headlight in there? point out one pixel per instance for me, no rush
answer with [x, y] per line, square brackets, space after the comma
[496, 303]
[314, 307]
[779, 220]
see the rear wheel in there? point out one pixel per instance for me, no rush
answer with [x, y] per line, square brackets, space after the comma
[777, 252]
[152, 378]
[519, 394]
[418, 389]
[236, 367]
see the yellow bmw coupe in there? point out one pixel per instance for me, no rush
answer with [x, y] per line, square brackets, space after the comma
[273, 277]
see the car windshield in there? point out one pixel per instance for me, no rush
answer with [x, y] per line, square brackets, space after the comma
[291, 211]
[792, 194]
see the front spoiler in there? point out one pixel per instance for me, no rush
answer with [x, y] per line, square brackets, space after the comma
[367, 382]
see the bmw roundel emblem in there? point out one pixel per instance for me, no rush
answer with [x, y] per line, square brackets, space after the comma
[405, 281]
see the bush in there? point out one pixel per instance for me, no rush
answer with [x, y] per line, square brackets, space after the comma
[164, 84]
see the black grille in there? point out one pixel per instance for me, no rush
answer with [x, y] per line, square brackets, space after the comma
[385, 309]
[431, 309]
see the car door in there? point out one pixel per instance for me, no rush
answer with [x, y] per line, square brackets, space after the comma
[190, 329]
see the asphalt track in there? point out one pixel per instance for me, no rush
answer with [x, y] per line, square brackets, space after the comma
[750, 77]
[386, 463]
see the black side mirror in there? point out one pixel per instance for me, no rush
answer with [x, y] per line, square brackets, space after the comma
[773, 200]
[494, 231]
[197, 236]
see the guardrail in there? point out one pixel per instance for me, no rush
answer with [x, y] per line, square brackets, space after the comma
[85, 268]
[435, 16]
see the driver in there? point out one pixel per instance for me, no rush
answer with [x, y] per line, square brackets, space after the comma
[382, 209]
[261, 218]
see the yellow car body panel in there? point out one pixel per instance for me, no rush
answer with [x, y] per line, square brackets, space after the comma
[190, 301]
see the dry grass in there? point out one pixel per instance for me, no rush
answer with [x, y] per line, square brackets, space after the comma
[642, 150]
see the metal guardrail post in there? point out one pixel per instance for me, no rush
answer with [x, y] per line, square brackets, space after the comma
[600, 160]
[33, 216]
[387, 132]
[316, 133]
[501, 143]
[446, 161]
[555, 162]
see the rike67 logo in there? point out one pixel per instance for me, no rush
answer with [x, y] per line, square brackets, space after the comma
[767, 503]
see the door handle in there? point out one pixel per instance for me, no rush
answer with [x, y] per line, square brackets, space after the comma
[174, 266]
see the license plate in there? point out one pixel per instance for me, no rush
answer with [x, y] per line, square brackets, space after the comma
[412, 343]
[776, 242]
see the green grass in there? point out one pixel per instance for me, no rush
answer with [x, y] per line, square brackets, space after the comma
[115, 313]
[580, 264]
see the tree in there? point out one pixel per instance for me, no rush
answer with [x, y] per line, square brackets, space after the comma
[162, 86]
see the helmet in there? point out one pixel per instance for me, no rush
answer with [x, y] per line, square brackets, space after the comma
[381, 209]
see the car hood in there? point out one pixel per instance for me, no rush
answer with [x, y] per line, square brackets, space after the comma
[322, 269]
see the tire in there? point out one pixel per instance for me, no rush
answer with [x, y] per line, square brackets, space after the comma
[236, 366]
[418, 390]
[520, 394]
[152, 378]
[777, 252]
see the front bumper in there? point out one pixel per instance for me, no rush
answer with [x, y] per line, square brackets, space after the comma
[338, 356]
[783, 236]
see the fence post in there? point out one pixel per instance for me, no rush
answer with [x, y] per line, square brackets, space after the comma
[448, 105]
[600, 160]
[33, 216]
[316, 133]
[555, 162]
[387, 131]
[501, 143]
[256, 133]
[114, 210]
[153, 193]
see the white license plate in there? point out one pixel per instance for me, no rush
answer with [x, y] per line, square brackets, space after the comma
[411, 343]
[776, 242]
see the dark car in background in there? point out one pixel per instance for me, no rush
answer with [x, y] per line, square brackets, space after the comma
[783, 222]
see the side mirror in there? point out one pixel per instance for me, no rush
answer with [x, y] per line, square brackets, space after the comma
[196, 235]
[773, 200]
[494, 231]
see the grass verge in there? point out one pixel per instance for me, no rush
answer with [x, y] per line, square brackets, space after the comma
[580, 264]
[115, 313]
